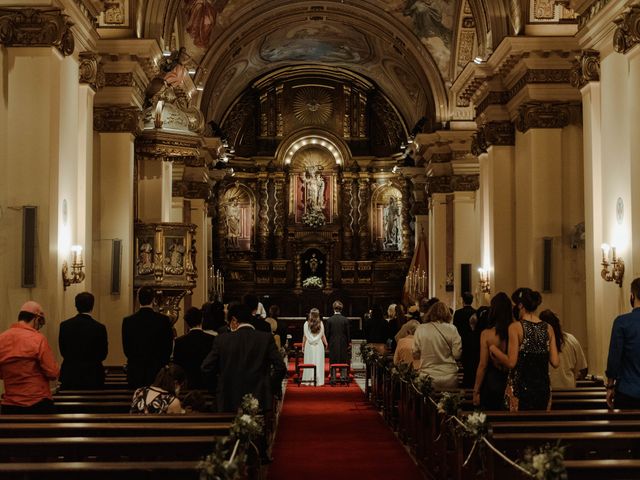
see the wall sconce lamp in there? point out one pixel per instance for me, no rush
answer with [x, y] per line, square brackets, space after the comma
[77, 268]
[617, 265]
[483, 280]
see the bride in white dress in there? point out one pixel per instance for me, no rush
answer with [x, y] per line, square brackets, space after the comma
[313, 344]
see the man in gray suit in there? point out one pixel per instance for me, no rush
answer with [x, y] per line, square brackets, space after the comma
[338, 337]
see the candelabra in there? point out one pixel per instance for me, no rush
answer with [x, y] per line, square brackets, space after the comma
[616, 273]
[216, 284]
[483, 280]
[76, 275]
[416, 283]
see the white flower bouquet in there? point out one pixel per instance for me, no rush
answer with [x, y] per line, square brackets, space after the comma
[312, 282]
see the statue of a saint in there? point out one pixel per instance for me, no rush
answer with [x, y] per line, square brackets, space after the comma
[314, 189]
[320, 196]
[390, 223]
[232, 218]
[174, 262]
[145, 260]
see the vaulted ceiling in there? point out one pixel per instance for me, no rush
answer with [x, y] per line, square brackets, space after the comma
[410, 49]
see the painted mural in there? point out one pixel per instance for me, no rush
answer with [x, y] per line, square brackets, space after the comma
[432, 22]
[318, 43]
[200, 17]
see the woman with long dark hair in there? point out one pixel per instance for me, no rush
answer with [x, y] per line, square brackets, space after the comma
[573, 364]
[162, 395]
[491, 376]
[313, 344]
[532, 347]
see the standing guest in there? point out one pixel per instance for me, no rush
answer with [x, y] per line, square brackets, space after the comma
[404, 349]
[162, 395]
[425, 305]
[84, 346]
[437, 343]
[338, 337]
[246, 360]
[27, 364]
[491, 376]
[532, 346]
[470, 335]
[393, 321]
[573, 364]
[378, 331]
[401, 317]
[213, 318]
[191, 349]
[257, 320]
[623, 364]
[147, 339]
[462, 315]
[314, 343]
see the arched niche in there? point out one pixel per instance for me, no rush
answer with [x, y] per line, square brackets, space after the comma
[386, 219]
[237, 218]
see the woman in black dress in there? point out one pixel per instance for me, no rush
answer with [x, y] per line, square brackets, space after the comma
[491, 376]
[532, 346]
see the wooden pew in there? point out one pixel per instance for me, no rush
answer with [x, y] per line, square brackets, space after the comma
[118, 418]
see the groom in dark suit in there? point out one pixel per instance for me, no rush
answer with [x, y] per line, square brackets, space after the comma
[246, 360]
[83, 346]
[147, 339]
[338, 337]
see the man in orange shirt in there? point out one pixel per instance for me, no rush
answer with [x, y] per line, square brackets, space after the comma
[27, 364]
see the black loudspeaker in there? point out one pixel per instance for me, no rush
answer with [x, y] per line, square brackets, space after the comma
[29, 220]
[546, 264]
[116, 266]
[465, 277]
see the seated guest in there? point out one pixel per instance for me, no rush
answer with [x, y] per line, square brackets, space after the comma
[27, 364]
[413, 320]
[191, 349]
[404, 349]
[83, 346]
[246, 360]
[438, 345]
[573, 364]
[162, 395]
[257, 320]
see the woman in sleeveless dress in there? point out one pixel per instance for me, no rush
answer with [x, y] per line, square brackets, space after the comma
[491, 376]
[532, 347]
[313, 344]
[162, 396]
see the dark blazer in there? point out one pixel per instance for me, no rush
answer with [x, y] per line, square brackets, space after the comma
[83, 346]
[338, 337]
[247, 361]
[189, 351]
[147, 339]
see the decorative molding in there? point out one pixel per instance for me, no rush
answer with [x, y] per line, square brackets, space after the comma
[493, 98]
[499, 133]
[627, 33]
[586, 68]
[191, 190]
[116, 118]
[540, 75]
[547, 115]
[591, 12]
[479, 143]
[91, 71]
[465, 183]
[31, 27]
[441, 184]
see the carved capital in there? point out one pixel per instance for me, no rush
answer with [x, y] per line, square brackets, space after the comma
[479, 143]
[32, 27]
[465, 183]
[499, 133]
[586, 68]
[117, 119]
[91, 71]
[546, 115]
[627, 33]
[441, 184]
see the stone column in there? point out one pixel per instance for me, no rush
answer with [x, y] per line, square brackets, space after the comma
[438, 242]
[466, 247]
[199, 218]
[407, 244]
[263, 215]
[348, 216]
[279, 202]
[363, 216]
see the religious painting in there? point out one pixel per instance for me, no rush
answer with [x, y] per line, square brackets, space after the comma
[115, 14]
[387, 219]
[432, 22]
[313, 42]
[237, 218]
[200, 18]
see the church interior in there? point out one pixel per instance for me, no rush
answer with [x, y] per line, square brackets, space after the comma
[308, 151]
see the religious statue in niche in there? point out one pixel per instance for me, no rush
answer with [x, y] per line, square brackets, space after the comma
[391, 227]
[174, 261]
[314, 187]
[144, 263]
[232, 220]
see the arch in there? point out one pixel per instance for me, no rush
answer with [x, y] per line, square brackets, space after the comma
[315, 138]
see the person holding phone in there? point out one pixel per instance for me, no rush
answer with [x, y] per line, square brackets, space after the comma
[27, 364]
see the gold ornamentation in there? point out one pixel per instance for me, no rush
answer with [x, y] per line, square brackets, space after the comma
[312, 106]
[30, 27]
[91, 71]
[627, 33]
[591, 12]
[586, 68]
[117, 119]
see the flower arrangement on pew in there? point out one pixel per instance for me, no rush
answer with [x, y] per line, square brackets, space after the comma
[405, 372]
[547, 463]
[424, 385]
[228, 459]
[449, 403]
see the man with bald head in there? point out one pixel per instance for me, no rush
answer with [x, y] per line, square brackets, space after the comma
[27, 364]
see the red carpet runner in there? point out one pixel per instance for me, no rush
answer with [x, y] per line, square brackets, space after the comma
[331, 433]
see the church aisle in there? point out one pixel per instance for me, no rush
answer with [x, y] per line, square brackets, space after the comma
[331, 432]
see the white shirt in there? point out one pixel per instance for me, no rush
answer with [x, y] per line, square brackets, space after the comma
[439, 346]
[572, 360]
